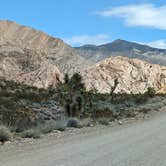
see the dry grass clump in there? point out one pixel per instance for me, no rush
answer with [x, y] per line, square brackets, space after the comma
[5, 134]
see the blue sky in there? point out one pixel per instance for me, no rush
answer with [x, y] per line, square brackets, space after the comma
[81, 22]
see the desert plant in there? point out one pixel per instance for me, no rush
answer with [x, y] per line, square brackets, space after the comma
[31, 133]
[5, 134]
[150, 92]
[55, 125]
[73, 122]
[104, 121]
[70, 95]
[60, 125]
[113, 88]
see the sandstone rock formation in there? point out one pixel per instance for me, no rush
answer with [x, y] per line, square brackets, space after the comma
[33, 57]
[162, 90]
[27, 67]
[134, 75]
[51, 49]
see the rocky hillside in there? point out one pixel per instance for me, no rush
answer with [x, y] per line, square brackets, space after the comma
[33, 57]
[134, 76]
[123, 48]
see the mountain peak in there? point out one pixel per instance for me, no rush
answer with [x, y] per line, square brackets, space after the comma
[119, 41]
[124, 48]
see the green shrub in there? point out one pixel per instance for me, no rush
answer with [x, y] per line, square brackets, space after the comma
[60, 125]
[150, 92]
[5, 134]
[31, 133]
[49, 127]
[73, 122]
[104, 121]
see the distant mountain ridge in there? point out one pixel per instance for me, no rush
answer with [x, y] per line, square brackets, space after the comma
[123, 48]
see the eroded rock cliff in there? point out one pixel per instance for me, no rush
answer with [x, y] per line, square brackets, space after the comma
[33, 57]
[134, 76]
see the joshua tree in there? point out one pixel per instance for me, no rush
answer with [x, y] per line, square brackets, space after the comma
[113, 88]
[71, 92]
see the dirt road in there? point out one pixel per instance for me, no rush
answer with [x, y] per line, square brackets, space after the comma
[142, 143]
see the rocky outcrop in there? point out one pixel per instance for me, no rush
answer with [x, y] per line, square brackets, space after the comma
[134, 76]
[35, 58]
[46, 75]
[162, 90]
[27, 67]
[52, 49]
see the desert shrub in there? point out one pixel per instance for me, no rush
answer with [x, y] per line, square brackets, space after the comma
[46, 128]
[51, 126]
[150, 92]
[73, 122]
[18, 119]
[104, 121]
[31, 133]
[86, 122]
[5, 134]
[60, 125]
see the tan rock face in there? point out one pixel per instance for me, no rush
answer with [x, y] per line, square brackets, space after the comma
[46, 75]
[16, 37]
[29, 68]
[33, 57]
[134, 75]
[162, 90]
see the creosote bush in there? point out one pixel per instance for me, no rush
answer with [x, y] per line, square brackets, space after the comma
[73, 122]
[55, 125]
[31, 133]
[104, 121]
[5, 134]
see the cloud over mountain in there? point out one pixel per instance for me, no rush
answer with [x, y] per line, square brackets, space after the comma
[145, 15]
[87, 39]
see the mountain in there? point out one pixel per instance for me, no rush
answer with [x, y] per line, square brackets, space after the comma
[32, 57]
[123, 48]
[134, 76]
[35, 58]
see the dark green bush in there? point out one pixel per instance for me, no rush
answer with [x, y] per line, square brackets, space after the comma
[31, 133]
[73, 122]
[5, 134]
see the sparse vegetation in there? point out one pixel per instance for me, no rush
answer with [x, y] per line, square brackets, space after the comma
[73, 122]
[96, 105]
[57, 125]
[82, 108]
[5, 134]
[104, 121]
[31, 133]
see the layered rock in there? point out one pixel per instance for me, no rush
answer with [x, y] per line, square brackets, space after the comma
[134, 76]
[29, 68]
[46, 75]
[51, 49]
[35, 58]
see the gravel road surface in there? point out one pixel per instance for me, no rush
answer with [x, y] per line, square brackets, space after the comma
[140, 143]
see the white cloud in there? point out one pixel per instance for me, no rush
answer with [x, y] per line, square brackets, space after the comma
[158, 44]
[87, 39]
[146, 15]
